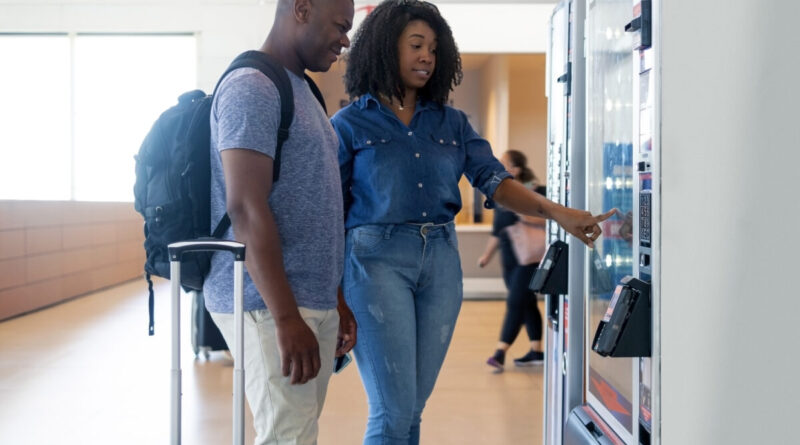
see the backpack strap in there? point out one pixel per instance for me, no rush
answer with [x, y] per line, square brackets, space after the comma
[150, 303]
[317, 93]
[277, 74]
[222, 226]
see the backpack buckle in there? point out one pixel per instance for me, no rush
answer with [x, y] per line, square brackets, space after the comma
[283, 134]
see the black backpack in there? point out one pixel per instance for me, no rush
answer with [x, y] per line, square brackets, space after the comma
[173, 175]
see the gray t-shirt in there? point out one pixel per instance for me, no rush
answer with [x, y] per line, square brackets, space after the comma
[306, 200]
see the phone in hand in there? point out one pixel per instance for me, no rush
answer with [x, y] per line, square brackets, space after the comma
[340, 363]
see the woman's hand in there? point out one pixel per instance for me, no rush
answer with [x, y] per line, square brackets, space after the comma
[484, 260]
[581, 224]
[347, 327]
[488, 252]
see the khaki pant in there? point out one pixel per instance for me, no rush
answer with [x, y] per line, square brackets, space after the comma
[283, 414]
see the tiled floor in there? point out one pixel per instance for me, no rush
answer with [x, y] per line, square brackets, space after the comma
[85, 372]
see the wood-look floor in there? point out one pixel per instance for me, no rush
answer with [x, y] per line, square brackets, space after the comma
[85, 372]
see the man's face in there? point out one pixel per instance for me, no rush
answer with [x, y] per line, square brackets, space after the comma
[325, 33]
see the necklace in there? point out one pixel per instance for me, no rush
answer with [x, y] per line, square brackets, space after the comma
[391, 102]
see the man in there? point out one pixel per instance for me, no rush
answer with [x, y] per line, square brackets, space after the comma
[293, 228]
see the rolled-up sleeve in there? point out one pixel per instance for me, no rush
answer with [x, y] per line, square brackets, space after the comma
[482, 170]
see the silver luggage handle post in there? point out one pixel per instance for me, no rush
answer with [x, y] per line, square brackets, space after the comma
[175, 370]
[238, 357]
[176, 251]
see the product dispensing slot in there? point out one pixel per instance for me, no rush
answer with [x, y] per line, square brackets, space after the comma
[625, 330]
[551, 276]
[582, 429]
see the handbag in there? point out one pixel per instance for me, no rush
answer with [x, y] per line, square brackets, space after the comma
[527, 242]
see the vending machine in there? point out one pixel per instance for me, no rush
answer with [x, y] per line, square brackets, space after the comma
[620, 165]
[560, 277]
[691, 308]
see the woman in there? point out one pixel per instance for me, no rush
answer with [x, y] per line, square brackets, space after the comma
[521, 305]
[402, 153]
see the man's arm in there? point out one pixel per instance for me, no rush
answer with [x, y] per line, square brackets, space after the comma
[580, 224]
[248, 182]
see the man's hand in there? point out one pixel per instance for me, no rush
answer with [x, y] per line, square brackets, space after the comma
[347, 329]
[581, 224]
[299, 350]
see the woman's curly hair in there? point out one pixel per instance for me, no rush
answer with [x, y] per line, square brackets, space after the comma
[372, 63]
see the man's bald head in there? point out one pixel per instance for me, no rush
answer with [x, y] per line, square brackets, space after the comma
[310, 34]
[295, 7]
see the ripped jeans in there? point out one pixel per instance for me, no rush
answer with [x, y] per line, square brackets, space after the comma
[404, 284]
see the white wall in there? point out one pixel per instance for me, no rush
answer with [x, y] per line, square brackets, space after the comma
[730, 295]
[227, 27]
[527, 120]
[495, 27]
[495, 100]
[465, 98]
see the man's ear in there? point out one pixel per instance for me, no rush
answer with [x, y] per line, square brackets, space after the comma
[302, 10]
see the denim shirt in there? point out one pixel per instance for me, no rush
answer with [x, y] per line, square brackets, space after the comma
[395, 174]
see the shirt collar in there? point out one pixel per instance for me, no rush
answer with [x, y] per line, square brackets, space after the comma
[368, 99]
[365, 100]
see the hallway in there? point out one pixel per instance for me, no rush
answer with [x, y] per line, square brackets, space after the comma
[85, 372]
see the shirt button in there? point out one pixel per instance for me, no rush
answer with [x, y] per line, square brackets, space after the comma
[441, 141]
[416, 154]
[419, 185]
[424, 213]
[369, 142]
[411, 133]
[383, 141]
[455, 143]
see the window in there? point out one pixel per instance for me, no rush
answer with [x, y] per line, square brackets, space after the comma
[35, 128]
[78, 115]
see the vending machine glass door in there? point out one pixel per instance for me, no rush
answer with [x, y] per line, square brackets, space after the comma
[609, 139]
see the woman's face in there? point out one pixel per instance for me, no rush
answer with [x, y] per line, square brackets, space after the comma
[416, 50]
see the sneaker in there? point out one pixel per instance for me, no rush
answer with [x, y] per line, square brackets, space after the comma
[497, 360]
[530, 359]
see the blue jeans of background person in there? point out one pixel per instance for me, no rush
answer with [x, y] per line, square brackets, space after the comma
[404, 284]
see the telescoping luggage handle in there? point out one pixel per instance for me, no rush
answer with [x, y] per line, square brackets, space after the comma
[176, 251]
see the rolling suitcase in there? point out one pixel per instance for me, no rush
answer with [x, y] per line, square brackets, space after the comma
[176, 251]
[206, 336]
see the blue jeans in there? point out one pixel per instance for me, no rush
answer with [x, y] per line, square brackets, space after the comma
[404, 284]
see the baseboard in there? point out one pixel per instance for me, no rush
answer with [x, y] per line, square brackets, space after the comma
[484, 289]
